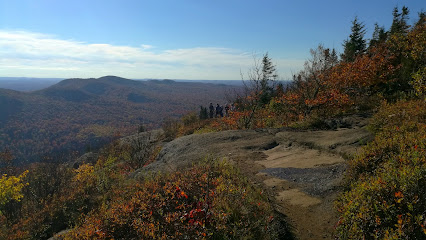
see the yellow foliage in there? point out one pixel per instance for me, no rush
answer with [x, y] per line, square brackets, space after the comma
[10, 188]
[84, 173]
[419, 82]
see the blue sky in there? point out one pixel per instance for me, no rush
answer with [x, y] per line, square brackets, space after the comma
[177, 39]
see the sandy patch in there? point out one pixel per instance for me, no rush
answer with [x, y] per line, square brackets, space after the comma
[296, 197]
[273, 182]
[297, 157]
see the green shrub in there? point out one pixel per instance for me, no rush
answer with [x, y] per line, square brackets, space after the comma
[401, 113]
[387, 182]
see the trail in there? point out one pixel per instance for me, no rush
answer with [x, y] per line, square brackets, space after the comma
[301, 171]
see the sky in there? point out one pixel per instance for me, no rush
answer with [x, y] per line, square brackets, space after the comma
[176, 39]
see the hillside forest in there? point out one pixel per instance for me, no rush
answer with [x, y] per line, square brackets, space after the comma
[77, 115]
[384, 188]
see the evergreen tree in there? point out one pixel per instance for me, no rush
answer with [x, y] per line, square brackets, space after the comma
[258, 89]
[422, 20]
[379, 36]
[399, 23]
[268, 69]
[334, 58]
[268, 78]
[203, 113]
[356, 44]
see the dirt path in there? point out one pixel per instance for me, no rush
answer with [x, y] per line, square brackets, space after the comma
[300, 170]
[304, 182]
[304, 172]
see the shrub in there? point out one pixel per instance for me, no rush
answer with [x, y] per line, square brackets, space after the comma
[206, 201]
[57, 196]
[401, 113]
[387, 182]
[191, 123]
[170, 128]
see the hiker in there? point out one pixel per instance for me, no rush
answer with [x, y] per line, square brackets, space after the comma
[227, 110]
[211, 108]
[217, 110]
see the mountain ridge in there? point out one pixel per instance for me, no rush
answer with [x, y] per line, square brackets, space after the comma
[75, 113]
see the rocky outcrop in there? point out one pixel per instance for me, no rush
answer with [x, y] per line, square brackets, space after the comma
[300, 170]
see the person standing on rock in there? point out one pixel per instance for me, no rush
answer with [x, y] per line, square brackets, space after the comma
[217, 110]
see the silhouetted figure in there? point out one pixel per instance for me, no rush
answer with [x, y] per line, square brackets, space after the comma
[217, 110]
[227, 110]
[211, 108]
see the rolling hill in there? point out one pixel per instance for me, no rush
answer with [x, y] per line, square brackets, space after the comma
[79, 113]
[27, 84]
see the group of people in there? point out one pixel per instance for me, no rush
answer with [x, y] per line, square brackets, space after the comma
[218, 111]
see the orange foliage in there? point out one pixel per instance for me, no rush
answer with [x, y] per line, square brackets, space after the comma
[205, 201]
[365, 73]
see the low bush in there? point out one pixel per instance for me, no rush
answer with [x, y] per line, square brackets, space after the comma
[170, 128]
[401, 113]
[386, 184]
[206, 201]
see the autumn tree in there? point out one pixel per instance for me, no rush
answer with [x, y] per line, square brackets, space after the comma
[10, 188]
[364, 78]
[310, 85]
[356, 44]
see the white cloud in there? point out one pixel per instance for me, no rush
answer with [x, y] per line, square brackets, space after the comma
[146, 46]
[39, 55]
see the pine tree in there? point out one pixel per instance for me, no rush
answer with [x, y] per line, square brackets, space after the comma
[269, 76]
[379, 36]
[334, 58]
[258, 89]
[203, 113]
[399, 23]
[421, 21]
[356, 44]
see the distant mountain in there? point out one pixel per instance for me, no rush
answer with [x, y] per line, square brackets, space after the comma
[27, 84]
[33, 84]
[225, 82]
[78, 113]
[9, 104]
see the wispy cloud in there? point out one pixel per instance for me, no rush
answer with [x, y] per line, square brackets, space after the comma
[146, 46]
[40, 55]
